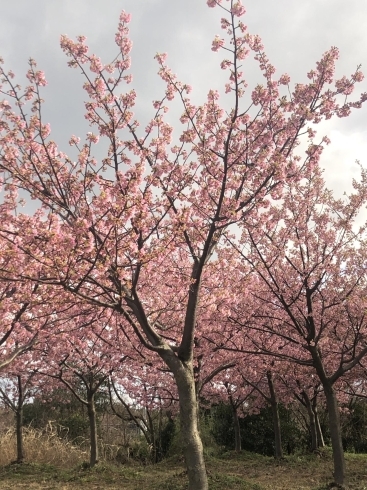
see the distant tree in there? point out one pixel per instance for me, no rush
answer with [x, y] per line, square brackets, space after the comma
[16, 387]
[309, 288]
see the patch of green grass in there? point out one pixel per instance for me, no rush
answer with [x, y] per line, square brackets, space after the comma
[219, 481]
[28, 469]
[230, 471]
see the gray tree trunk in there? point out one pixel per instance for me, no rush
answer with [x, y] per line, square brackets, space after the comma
[19, 430]
[276, 419]
[311, 417]
[334, 417]
[335, 434]
[236, 426]
[190, 437]
[19, 421]
[320, 437]
[93, 430]
[237, 431]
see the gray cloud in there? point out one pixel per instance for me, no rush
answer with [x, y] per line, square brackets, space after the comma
[295, 35]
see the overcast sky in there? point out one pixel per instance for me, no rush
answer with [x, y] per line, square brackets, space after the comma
[295, 35]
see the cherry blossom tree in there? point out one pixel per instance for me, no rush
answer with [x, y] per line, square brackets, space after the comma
[306, 388]
[81, 360]
[139, 394]
[229, 387]
[309, 287]
[262, 379]
[136, 231]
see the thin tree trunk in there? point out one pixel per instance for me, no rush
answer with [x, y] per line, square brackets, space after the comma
[19, 430]
[190, 437]
[237, 431]
[93, 430]
[19, 422]
[320, 437]
[158, 448]
[276, 419]
[153, 438]
[312, 422]
[335, 434]
[236, 426]
[334, 417]
[277, 431]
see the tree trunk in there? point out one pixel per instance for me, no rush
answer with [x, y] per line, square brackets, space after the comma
[320, 437]
[19, 429]
[335, 434]
[158, 444]
[190, 437]
[93, 430]
[154, 440]
[236, 426]
[334, 417]
[312, 421]
[276, 419]
[19, 421]
[237, 431]
[277, 431]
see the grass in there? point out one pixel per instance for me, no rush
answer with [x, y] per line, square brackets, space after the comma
[41, 447]
[57, 465]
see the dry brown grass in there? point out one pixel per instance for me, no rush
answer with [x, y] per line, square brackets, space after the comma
[41, 447]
